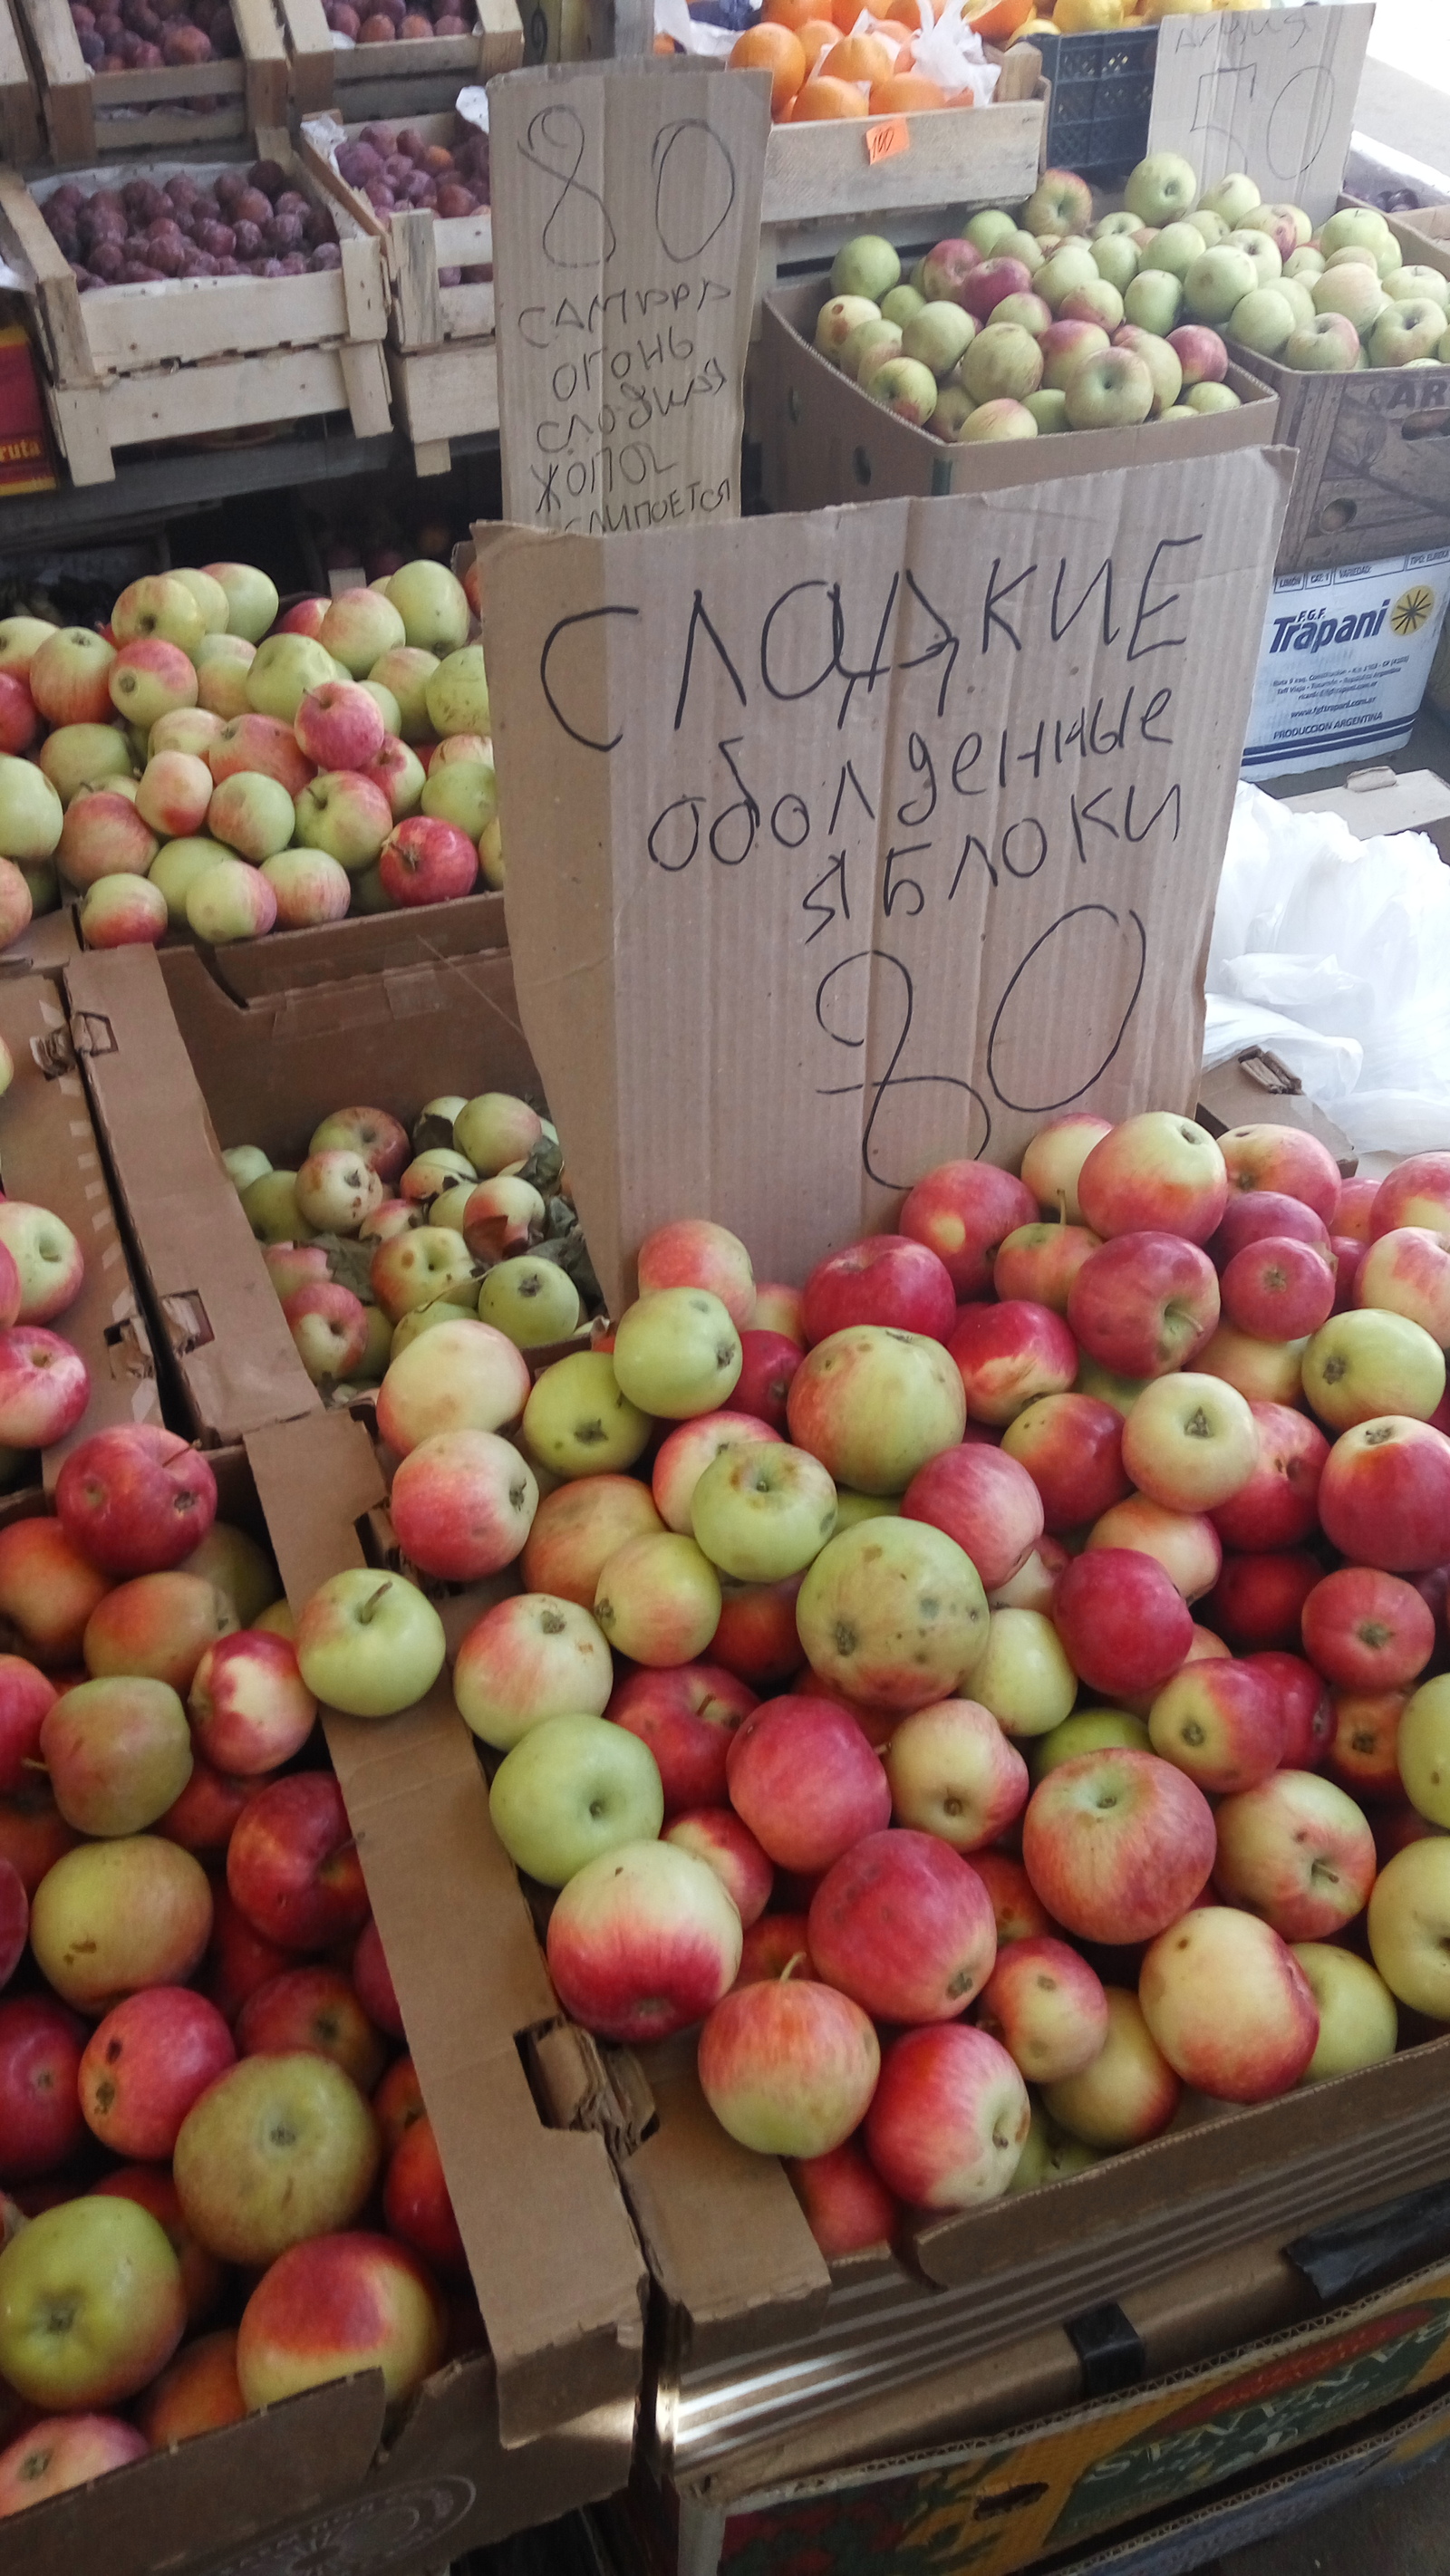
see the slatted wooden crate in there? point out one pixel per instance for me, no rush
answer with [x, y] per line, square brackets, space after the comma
[193, 357]
[413, 78]
[22, 133]
[88, 114]
[441, 351]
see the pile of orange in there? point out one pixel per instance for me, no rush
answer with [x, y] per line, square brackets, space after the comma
[868, 75]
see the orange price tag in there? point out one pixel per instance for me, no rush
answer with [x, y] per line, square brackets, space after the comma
[885, 140]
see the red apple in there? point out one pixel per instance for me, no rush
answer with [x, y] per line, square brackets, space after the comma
[718, 1838]
[1072, 1448]
[983, 1499]
[990, 283]
[292, 1864]
[134, 1499]
[314, 2009]
[1154, 1174]
[1009, 1353]
[874, 1404]
[1229, 2005]
[145, 2065]
[577, 1528]
[304, 617]
[45, 1387]
[462, 1503]
[806, 1782]
[775, 1943]
[249, 1706]
[756, 1639]
[1286, 1159]
[261, 743]
[40, 2059]
[426, 861]
[337, 2304]
[196, 2393]
[1117, 1844]
[885, 1279]
[398, 2102]
[949, 2119]
[953, 1772]
[1258, 1600]
[203, 2278]
[1278, 1507]
[848, 2209]
[1353, 1209]
[417, 2204]
[768, 1362]
[1296, 1850]
[962, 1211]
[157, 1627]
[788, 2069]
[1019, 1911]
[642, 1942]
[1040, 1262]
[1367, 1631]
[905, 1927]
[1306, 1706]
[1347, 1256]
[1124, 1625]
[239, 1958]
[1264, 1213]
[693, 1252]
[1221, 1722]
[25, 1696]
[1145, 1304]
[204, 1817]
[1363, 1753]
[685, 1453]
[1048, 2009]
[1416, 1192]
[1384, 1497]
[64, 2451]
[1277, 1289]
[373, 1982]
[687, 1714]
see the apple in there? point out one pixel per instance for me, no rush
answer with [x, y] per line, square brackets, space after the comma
[47, 1256]
[432, 605]
[571, 1789]
[1422, 1748]
[1277, 1505]
[1369, 1362]
[942, 273]
[103, 835]
[78, 756]
[1118, 259]
[405, 671]
[1064, 346]
[847, 2208]
[252, 814]
[873, 1404]
[658, 1599]
[1285, 1159]
[719, 1839]
[1229, 2006]
[1353, 292]
[148, 680]
[1221, 1722]
[894, 1612]
[25, 1696]
[983, 1499]
[1327, 345]
[1189, 1442]
[1407, 1271]
[1050, 2155]
[962, 1211]
[949, 2118]
[1264, 321]
[176, 868]
[1024, 1678]
[1048, 2009]
[45, 1387]
[462, 1503]
[369, 1643]
[804, 1779]
[135, 1499]
[1040, 1263]
[292, 1863]
[1385, 1493]
[1185, 1544]
[357, 629]
[65, 2451]
[1200, 353]
[762, 1511]
[1364, 1630]
[1128, 2094]
[1154, 1173]
[1097, 301]
[756, 1639]
[496, 1217]
[1117, 1844]
[123, 912]
[21, 637]
[1008, 1353]
[203, 1818]
[222, 664]
[195, 2393]
[951, 1772]
[689, 1253]
[578, 1526]
[1060, 203]
[462, 1376]
[1144, 1304]
[788, 2067]
[346, 815]
[1122, 1620]
[1259, 1598]
[885, 1280]
[144, 2066]
[1263, 1372]
[261, 746]
[40, 2061]
[158, 1625]
[1263, 250]
[1019, 1915]
[1071, 1446]
[69, 677]
[1306, 1706]
[309, 887]
[338, 2303]
[1358, 2024]
[773, 1946]
[768, 1362]
[528, 1658]
[1166, 186]
[32, 818]
[118, 1752]
[250, 1709]
[1279, 1290]
[643, 1942]
[231, 900]
[373, 1983]
[285, 667]
[1407, 285]
[111, 1917]
[276, 2150]
[1065, 269]
[1003, 363]
[48, 1591]
[159, 604]
[91, 2304]
[676, 1352]
[1296, 1850]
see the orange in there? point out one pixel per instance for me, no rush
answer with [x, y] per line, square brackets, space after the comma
[905, 92]
[905, 13]
[859, 58]
[794, 14]
[772, 48]
[827, 98]
[817, 36]
[996, 21]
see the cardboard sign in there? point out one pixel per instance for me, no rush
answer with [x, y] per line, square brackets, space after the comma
[626, 234]
[1269, 91]
[845, 844]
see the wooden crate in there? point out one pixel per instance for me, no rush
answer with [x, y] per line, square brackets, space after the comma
[22, 134]
[198, 356]
[404, 81]
[88, 114]
[441, 353]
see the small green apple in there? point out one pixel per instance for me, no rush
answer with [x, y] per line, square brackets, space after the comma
[571, 1789]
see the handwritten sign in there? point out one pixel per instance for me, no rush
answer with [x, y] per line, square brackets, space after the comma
[871, 838]
[883, 142]
[1269, 91]
[626, 235]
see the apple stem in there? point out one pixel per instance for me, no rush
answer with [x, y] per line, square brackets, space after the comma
[800, 1959]
[369, 1606]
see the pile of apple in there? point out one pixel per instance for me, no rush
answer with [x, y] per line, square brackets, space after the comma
[45, 1385]
[397, 170]
[218, 2185]
[1017, 1660]
[1054, 321]
[213, 768]
[242, 223]
[379, 1237]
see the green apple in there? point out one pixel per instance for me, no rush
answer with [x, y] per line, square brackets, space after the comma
[763, 1511]
[901, 305]
[83, 755]
[176, 868]
[252, 601]
[1370, 1362]
[1024, 1677]
[988, 230]
[222, 665]
[874, 340]
[1118, 260]
[571, 1789]
[676, 1351]
[1262, 249]
[159, 605]
[210, 597]
[464, 792]
[91, 2305]
[1358, 2023]
[904, 388]
[456, 694]
[284, 668]
[1211, 397]
[245, 1164]
[1422, 1749]
[1176, 248]
[1353, 291]
[1264, 321]
[1232, 198]
[1406, 332]
[1407, 285]
[1062, 272]
[579, 1421]
[1165, 186]
[369, 1643]
[277, 2149]
[1092, 1730]
[1050, 2155]
[1153, 301]
[1306, 262]
[657, 1599]
[1296, 294]
[1121, 223]
[405, 671]
[1216, 281]
[1212, 227]
[533, 1301]
[118, 1751]
[1409, 1926]
[31, 813]
[838, 318]
[1048, 407]
[433, 606]
[1354, 226]
[894, 1613]
[869, 266]
[852, 1507]
[271, 1210]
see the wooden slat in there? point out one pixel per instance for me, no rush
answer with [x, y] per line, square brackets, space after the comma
[62, 322]
[364, 289]
[405, 56]
[503, 36]
[185, 80]
[446, 393]
[65, 81]
[468, 312]
[291, 384]
[21, 129]
[956, 156]
[365, 374]
[81, 431]
[413, 266]
[464, 241]
[192, 318]
[264, 54]
[431, 456]
[313, 56]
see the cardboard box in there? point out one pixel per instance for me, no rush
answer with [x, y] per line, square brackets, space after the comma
[823, 441]
[544, 2419]
[179, 1067]
[1255, 1086]
[1373, 801]
[1345, 661]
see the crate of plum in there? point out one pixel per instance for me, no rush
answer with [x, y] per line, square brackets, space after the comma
[397, 58]
[139, 76]
[421, 192]
[176, 303]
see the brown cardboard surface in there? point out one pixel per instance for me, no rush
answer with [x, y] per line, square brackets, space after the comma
[625, 242]
[875, 836]
[375, 943]
[1381, 800]
[49, 1155]
[1256, 1085]
[554, 2260]
[824, 441]
[1268, 90]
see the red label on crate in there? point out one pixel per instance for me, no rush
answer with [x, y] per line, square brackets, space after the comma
[885, 140]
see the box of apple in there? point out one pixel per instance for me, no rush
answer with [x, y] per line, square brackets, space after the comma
[209, 767]
[1056, 321]
[220, 2184]
[991, 1691]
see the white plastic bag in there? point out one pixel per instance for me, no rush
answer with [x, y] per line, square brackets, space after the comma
[1332, 953]
[672, 18]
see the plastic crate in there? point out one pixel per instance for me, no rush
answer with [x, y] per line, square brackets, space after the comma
[1102, 96]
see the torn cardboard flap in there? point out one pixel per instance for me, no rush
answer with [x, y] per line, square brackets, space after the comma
[871, 838]
[625, 245]
[1270, 91]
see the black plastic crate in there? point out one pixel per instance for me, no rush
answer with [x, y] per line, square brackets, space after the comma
[1102, 96]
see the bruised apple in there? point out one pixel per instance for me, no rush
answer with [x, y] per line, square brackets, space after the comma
[894, 1612]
